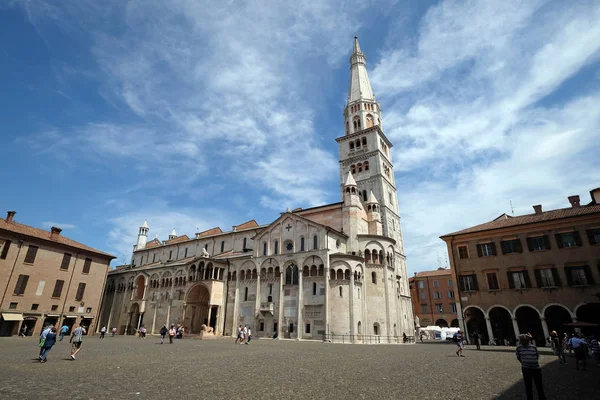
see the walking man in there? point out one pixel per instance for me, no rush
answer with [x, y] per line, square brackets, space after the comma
[579, 347]
[557, 347]
[163, 333]
[43, 335]
[63, 332]
[76, 340]
[102, 332]
[23, 331]
[476, 340]
[249, 337]
[239, 335]
[458, 339]
[528, 356]
[114, 330]
[48, 343]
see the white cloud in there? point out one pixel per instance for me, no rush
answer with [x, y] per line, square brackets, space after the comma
[63, 226]
[469, 120]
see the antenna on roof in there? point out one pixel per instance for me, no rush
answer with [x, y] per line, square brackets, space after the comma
[438, 259]
[512, 210]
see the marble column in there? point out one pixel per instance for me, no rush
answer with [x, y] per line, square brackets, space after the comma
[545, 328]
[154, 319]
[300, 304]
[516, 328]
[351, 305]
[490, 331]
[209, 315]
[280, 327]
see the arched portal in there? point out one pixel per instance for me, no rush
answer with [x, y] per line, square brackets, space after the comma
[442, 323]
[197, 307]
[589, 312]
[454, 323]
[134, 318]
[140, 284]
[529, 322]
[475, 320]
[556, 317]
[502, 325]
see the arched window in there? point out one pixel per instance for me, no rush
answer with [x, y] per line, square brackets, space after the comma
[315, 242]
[340, 275]
[351, 145]
[314, 288]
[376, 328]
[305, 271]
[313, 270]
[356, 122]
[364, 141]
[364, 193]
[347, 275]
[302, 243]
[357, 143]
[246, 294]
[374, 277]
[341, 292]
[291, 275]
[276, 249]
[264, 248]
[353, 169]
[366, 165]
[242, 275]
[359, 167]
[244, 246]
[222, 246]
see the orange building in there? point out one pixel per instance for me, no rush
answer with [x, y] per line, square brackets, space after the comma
[433, 298]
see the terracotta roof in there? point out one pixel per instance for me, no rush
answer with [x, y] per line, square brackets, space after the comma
[246, 225]
[212, 231]
[437, 272]
[178, 239]
[42, 234]
[152, 243]
[505, 221]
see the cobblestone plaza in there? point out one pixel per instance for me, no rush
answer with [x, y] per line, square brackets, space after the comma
[129, 368]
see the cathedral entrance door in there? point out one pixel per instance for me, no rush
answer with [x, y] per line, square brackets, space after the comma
[197, 300]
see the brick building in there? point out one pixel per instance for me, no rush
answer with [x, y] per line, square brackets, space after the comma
[46, 278]
[433, 298]
[529, 273]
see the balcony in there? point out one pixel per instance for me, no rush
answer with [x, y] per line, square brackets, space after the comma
[267, 308]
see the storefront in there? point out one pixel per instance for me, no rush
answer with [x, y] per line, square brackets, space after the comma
[10, 323]
[86, 322]
[69, 321]
[29, 321]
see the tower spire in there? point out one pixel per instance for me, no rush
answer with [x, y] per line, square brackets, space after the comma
[356, 46]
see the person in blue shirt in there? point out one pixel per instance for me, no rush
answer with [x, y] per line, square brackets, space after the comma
[43, 336]
[63, 332]
[48, 343]
[579, 346]
[458, 339]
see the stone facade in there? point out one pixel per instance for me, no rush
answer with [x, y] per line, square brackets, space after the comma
[336, 269]
[529, 273]
[46, 278]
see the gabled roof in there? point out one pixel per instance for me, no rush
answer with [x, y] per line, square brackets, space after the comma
[246, 225]
[153, 243]
[350, 180]
[178, 239]
[213, 231]
[45, 235]
[309, 221]
[505, 221]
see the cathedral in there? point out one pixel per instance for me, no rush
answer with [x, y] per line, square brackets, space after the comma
[334, 269]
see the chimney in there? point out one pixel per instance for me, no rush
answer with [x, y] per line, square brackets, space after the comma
[55, 232]
[574, 200]
[537, 209]
[10, 216]
[595, 193]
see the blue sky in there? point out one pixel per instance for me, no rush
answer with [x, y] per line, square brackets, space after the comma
[197, 114]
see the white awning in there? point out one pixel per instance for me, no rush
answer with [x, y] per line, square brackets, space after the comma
[52, 315]
[12, 317]
[70, 316]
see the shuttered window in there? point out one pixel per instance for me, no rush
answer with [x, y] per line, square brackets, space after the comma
[468, 283]
[569, 239]
[593, 236]
[511, 246]
[518, 280]
[65, 261]
[486, 249]
[547, 278]
[31, 253]
[58, 287]
[579, 276]
[538, 243]
[80, 292]
[21, 284]
[87, 265]
[5, 248]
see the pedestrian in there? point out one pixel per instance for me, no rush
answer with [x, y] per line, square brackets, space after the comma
[47, 345]
[113, 331]
[595, 347]
[102, 332]
[458, 339]
[557, 347]
[476, 340]
[239, 335]
[163, 333]
[528, 356]
[63, 332]
[244, 334]
[23, 331]
[579, 346]
[172, 333]
[179, 332]
[249, 337]
[76, 340]
[566, 343]
[43, 335]
[421, 336]
[404, 337]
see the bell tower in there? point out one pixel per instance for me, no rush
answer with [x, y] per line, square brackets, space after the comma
[365, 150]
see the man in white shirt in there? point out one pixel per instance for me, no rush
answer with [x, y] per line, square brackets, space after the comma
[76, 340]
[249, 336]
